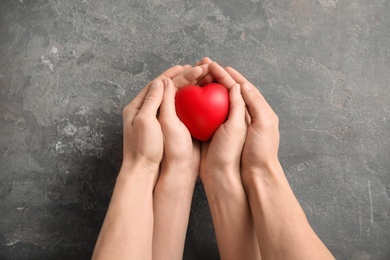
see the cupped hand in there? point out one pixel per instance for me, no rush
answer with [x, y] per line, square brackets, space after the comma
[223, 151]
[142, 134]
[262, 140]
[221, 177]
[180, 150]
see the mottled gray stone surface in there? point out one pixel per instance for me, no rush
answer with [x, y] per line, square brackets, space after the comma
[67, 68]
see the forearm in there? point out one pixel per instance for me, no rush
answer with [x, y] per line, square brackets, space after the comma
[232, 218]
[171, 205]
[128, 227]
[282, 229]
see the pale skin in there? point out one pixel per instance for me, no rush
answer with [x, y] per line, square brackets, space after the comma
[220, 175]
[254, 211]
[128, 229]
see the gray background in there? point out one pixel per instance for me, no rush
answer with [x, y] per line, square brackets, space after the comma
[67, 68]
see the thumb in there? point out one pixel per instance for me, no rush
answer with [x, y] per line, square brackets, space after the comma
[167, 109]
[152, 99]
[237, 107]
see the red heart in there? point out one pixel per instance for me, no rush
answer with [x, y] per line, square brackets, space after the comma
[202, 109]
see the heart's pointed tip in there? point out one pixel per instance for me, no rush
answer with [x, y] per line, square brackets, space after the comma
[202, 139]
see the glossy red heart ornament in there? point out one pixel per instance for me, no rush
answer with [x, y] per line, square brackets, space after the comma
[202, 109]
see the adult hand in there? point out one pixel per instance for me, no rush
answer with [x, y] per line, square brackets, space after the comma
[281, 225]
[262, 140]
[142, 134]
[220, 175]
[224, 149]
[179, 171]
[127, 232]
[180, 150]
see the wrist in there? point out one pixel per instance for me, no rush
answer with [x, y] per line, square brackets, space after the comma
[138, 172]
[223, 196]
[177, 176]
[221, 181]
[137, 165]
[268, 173]
[268, 187]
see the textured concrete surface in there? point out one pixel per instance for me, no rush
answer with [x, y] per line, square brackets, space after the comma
[67, 68]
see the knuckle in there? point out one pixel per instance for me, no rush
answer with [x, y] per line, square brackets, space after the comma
[126, 111]
[151, 97]
[141, 121]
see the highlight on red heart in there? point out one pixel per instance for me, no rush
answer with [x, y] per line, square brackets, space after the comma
[202, 109]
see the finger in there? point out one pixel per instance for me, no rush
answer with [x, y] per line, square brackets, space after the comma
[206, 60]
[237, 106]
[206, 76]
[137, 102]
[132, 109]
[152, 99]
[236, 75]
[172, 72]
[186, 67]
[189, 76]
[254, 101]
[205, 70]
[206, 80]
[239, 78]
[247, 117]
[221, 75]
[253, 98]
[167, 109]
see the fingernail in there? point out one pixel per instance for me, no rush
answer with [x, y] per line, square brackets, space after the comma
[155, 84]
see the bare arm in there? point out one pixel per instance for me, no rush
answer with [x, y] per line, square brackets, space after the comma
[179, 171]
[128, 226]
[285, 231]
[282, 229]
[172, 204]
[127, 231]
[220, 175]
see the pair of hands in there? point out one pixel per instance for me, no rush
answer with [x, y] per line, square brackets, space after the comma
[252, 205]
[153, 133]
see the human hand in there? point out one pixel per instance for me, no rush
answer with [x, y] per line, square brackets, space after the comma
[142, 134]
[224, 149]
[221, 178]
[127, 232]
[179, 171]
[281, 225]
[262, 140]
[180, 150]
